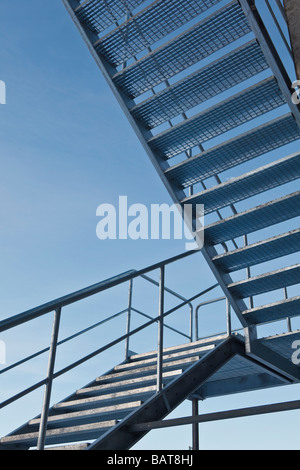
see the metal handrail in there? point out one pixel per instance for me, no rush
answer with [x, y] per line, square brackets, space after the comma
[207, 302]
[69, 299]
[56, 307]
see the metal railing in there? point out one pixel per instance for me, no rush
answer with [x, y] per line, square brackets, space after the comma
[57, 306]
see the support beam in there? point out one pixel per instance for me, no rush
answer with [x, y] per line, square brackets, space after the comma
[292, 11]
[208, 417]
[195, 405]
[160, 405]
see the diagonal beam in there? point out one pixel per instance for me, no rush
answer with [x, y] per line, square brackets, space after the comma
[162, 403]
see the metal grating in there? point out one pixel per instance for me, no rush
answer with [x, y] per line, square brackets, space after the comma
[98, 15]
[256, 218]
[149, 26]
[185, 50]
[247, 146]
[250, 184]
[195, 58]
[231, 113]
[281, 245]
[275, 311]
[267, 282]
[235, 67]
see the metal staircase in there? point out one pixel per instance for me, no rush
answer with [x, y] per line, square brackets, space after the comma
[209, 97]
[123, 396]
[117, 409]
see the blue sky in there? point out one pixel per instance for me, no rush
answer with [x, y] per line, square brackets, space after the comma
[65, 148]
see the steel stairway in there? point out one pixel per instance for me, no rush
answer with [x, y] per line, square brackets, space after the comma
[100, 415]
[209, 97]
[122, 395]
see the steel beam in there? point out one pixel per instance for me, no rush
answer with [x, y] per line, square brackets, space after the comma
[220, 415]
[161, 404]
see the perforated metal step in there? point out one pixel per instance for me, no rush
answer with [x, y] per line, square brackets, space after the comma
[260, 252]
[247, 146]
[231, 113]
[189, 47]
[250, 184]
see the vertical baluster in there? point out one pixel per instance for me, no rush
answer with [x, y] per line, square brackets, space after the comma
[228, 317]
[160, 329]
[288, 320]
[48, 387]
[128, 318]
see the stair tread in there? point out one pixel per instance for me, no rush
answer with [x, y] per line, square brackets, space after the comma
[174, 349]
[166, 357]
[196, 88]
[70, 447]
[157, 20]
[256, 218]
[107, 397]
[259, 252]
[89, 413]
[58, 432]
[266, 282]
[121, 383]
[247, 146]
[273, 311]
[144, 370]
[204, 38]
[210, 123]
[249, 184]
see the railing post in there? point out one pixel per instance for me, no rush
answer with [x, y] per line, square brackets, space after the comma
[228, 317]
[128, 318]
[160, 329]
[288, 320]
[196, 323]
[48, 387]
[191, 324]
[195, 426]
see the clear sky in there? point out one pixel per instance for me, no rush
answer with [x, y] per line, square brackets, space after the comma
[65, 148]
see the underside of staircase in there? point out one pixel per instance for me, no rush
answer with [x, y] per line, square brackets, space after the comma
[102, 414]
[210, 100]
[209, 97]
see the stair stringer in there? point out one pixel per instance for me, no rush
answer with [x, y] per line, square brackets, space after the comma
[162, 403]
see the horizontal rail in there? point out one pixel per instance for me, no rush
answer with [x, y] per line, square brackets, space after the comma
[104, 348]
[69, 299]
[166, 326]
[219, 415]
[65, 340]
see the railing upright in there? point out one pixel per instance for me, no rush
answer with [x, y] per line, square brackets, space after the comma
[160, 328]
[128, 318]
[48, 387]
